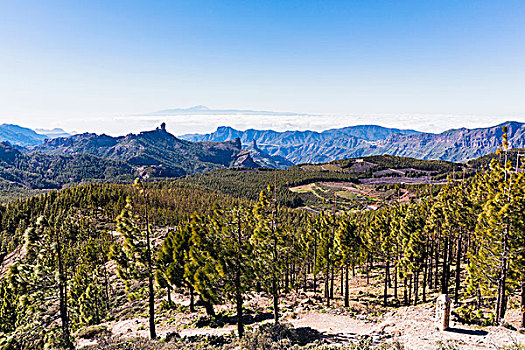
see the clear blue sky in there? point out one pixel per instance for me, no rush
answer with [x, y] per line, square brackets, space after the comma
[77, 64]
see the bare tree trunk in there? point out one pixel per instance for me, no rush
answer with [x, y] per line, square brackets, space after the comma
[151, 292]
[64, 317]
[416, 287]
[522, 304]
[444, 282]
[368, 269]
[332, 282]
[151, 302]
[430, 265]
[424, 282]
[410, 284]
[458, 270]
[238, 286]
[305, 280]
[385, 290]
[436, 264]
[347, 294]
[192, 300]
[342, 282]
[327, 285]
[238, 300]
[208, 306]
[286, 274]
[405, 291]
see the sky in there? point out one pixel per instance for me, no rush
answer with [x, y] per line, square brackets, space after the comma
[104, 66]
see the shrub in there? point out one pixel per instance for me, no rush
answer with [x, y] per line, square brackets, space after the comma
[469, 314]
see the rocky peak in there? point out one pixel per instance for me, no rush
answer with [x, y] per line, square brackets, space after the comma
[237, 143]
[244, 160]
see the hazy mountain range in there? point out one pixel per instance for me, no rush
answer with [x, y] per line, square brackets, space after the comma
[161, 154]
[20, 136]
[203, 110]
[357, 141]
[29, 160]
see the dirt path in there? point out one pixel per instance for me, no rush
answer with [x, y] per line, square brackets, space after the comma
[414, 327]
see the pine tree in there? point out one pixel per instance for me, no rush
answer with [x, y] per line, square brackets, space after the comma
[380, 232]
[164, 275]
[39, 279]
[172, 260]
[495, 260]
[134, 257]
[88, 302]
[234, 251]
[8, 308]
[349, 250]
[414, 244]
[201, 263]
[267, 239]
[325, 226]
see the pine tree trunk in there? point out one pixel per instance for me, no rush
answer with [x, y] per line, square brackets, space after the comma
[292, 275]
[238, 299]
[238, 287]
[305, 281]
[314, 277]
[368, 269]
[64, 317]
[410, 290]
[347, 292]
[208, 306]
[444, 282]
[430, 265]
[151, 302]
[395, 282]
[405, 291]
[522, 304]
[450, 252]
[151, 293]
[385, 290]
[275, 282]
[286, 274]
[327, 285]
[342, 282]
[192, 300]
[436, 264]
[425, 280]
[458, 270]
[314, 264]
[275, 300]
[501, 302]
[168, 289]
[416, 287]
[332, 282]
[106, 287]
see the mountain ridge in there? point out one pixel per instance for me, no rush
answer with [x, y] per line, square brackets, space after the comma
[460, 144]
[156, 149]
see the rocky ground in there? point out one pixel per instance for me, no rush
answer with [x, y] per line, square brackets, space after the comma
[412, 326]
